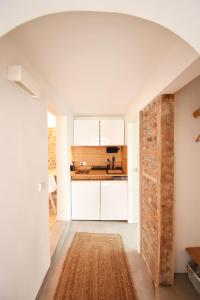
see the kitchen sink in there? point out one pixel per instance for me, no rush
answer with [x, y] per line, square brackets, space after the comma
[115, 171]
[82, 172]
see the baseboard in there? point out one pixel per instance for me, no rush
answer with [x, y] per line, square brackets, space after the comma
[54, 257]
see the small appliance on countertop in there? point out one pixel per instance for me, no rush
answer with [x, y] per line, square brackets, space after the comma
[72, 166]
[112, 149]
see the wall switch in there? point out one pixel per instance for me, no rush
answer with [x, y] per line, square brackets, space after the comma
[83, 163]
[41, 186]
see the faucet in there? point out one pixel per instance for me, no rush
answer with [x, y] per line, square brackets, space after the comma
[108, 164]
[113, 163]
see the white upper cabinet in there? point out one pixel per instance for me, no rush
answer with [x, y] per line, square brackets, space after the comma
[90, 132]
[86, 132]
[112, 132]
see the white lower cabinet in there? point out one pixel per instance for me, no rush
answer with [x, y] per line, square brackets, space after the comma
[86, 200]
[99, 200]
[113, 200]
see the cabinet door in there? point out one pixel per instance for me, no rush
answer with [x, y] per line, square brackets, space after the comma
[86, 132]
[111, 132]
[86, 200]
[114, 200]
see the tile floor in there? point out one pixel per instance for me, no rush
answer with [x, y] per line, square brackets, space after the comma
[145, 290]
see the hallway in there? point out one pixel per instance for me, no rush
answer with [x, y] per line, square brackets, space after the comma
[122, 77]
[144, 289]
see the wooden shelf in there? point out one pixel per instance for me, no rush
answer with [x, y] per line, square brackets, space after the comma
[194, 252]
[196, 113]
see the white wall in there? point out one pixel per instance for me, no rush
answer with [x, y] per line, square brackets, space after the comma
[70, 132]
[133, 180]
[64, 130]
[187, 172]
[24, 251]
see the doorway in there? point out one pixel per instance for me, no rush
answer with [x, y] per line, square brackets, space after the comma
[52, 169]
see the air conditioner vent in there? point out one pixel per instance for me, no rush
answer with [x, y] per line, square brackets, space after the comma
[22, 79]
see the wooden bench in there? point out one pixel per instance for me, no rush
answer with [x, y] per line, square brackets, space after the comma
[194, 252]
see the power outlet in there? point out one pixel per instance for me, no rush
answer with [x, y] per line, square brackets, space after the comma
[83, 163]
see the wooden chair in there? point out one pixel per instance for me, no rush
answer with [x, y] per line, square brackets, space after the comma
[52, 189]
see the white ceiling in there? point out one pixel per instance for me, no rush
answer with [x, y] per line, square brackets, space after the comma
[180, 16]
[99, 62]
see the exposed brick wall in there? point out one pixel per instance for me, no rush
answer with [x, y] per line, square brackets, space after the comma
[167, 198]
[157, 188]
[52, 149]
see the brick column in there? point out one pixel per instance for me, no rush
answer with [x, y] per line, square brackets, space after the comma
[157, 188]
[52, 149]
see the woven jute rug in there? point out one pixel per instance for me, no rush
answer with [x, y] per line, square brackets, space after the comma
[95, 268]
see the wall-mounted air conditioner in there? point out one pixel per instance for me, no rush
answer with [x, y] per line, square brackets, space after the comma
[21, 78]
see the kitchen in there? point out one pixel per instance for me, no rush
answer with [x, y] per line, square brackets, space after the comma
[99, 169]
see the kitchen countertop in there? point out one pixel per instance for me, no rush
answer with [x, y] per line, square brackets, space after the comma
[97, 175]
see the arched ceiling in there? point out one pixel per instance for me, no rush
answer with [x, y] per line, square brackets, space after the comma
[101, 63]
[180, 16]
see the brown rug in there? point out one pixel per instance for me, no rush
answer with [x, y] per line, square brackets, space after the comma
[95, 268]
